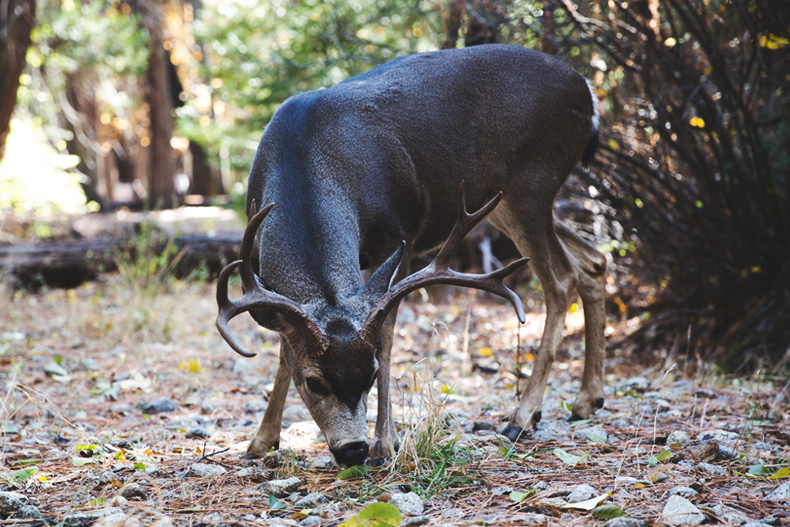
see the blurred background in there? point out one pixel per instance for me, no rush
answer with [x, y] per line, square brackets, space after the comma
[148, 113]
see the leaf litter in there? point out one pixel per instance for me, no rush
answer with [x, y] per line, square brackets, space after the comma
[73, 445]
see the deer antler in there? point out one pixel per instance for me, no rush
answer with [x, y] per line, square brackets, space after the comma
[439, 272]
[257, 297]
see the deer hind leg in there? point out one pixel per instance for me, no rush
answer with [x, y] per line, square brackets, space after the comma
[534, 236]
[268, 434]
[590, 267]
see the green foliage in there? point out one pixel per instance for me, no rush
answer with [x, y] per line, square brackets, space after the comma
[145, 272]
[375, 515]
[89, 44]
[257, 54]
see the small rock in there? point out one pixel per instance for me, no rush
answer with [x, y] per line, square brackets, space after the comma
[294, 414]
[12, 502]
[311, 520]
[482, 425]
[28, 512]
[728, 515]
[278, 458]
[121, 408]
[311, 501]
[705, 394]
[680, 511]
[207, 407]
[251, 472]
[108, 477]
[416, 521]
[281, 488]
[453, 513]
[134, 492]
[198, 432]
[536, 519]
[409, 504]
[581, 493]
[622, 521]
[782, 492]
[200, 470]
[159, 405]
[713, 470]
[699, 453]
[97, 517]
[721, 436]
[678, 437]
[255, 406]
[637, 384]
[552, 430]
[756, 524]
[501, 491]
[213, 517]
[685, 492]
[53, 368]
[322, 463]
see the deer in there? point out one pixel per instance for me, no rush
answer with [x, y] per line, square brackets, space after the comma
[382, 167]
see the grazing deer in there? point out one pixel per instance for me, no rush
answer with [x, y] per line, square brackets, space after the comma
[366, 174]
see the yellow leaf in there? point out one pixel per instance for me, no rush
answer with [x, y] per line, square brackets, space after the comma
[190, 366]
[613, 145]
[772, 41]
[782, 473]
[697, 122]
[485, 352]
[574, 308]
[42, 478]
[670, 42]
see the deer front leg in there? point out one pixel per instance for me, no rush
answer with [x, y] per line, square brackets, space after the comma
[385, 440]
[268, 434]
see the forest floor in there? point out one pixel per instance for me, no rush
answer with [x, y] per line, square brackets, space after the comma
[82, 443]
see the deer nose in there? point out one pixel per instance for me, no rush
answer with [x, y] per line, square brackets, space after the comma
[352, 454]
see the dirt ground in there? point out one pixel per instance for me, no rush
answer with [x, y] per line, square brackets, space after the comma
[79, 446]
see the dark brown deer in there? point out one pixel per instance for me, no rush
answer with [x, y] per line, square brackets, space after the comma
[367, 174]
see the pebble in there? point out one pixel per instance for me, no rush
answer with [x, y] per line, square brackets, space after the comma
[637, 384]
[782, 492]
[483, 425]
[198, 432]
[596, 433]
[120, 408]
[108, 477]
[685, 492]
[622, 521]
[409, 504]
[581, 493]
[311, 501]
[713, 470]
[679, 437]
[311, 520]
[705, 394]
[281, 488]
[278, 458]
[322, 463]
[255, 406]
[200, 470]
[53, 368]
[294, 414]
[680, 511]
[86, 519]
[552, 430]
[416, 521]
[728, 515]
[159, 405]
[11, 503]
[134, 492]
[722, 436]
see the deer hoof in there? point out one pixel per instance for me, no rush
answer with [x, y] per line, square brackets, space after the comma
[514, 433]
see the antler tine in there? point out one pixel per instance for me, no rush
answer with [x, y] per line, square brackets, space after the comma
[248, 241]
[439, 272]
[256, 297]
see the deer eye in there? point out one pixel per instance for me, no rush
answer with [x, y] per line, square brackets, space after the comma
[316, 386]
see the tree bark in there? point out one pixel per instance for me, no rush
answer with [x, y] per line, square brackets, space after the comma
[16, 21]
[162, 167]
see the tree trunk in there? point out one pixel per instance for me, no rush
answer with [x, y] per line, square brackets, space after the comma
[161, 168]
[16, 21]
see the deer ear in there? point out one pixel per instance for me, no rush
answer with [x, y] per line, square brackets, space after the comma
[379, 283]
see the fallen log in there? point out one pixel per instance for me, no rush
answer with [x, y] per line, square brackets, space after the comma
[70, 263]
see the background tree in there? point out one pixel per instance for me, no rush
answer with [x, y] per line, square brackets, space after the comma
[16, 23]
